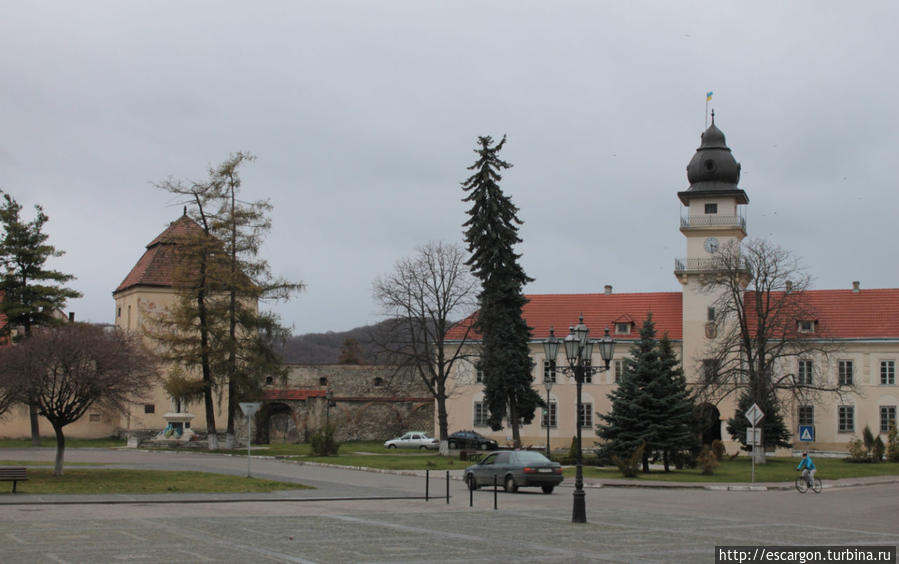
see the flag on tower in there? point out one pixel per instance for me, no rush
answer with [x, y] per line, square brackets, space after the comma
[708, 95]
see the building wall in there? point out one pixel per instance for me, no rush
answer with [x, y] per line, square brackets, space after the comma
[369, 403]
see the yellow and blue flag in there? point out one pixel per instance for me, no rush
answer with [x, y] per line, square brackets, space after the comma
[708, 95]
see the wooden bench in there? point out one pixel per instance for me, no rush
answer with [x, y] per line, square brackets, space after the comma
[13, 474]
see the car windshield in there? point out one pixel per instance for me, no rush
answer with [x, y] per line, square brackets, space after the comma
[527, 457]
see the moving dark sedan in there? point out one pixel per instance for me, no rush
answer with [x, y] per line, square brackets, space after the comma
[515, 469]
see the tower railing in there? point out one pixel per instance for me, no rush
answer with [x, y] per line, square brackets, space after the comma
[710, 264]
[713, 221]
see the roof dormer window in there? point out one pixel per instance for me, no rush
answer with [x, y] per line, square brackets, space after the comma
[807, 326]
[623, 328]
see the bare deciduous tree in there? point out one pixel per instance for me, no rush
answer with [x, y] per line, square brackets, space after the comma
[69, 369]
[764, 322]
[421, 297]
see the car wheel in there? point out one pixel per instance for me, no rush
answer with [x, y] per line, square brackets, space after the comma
[548, 489]
[422, 447]
[391, 446]
[509, 485]
[484, 446]
[472, 484]
[452, 444]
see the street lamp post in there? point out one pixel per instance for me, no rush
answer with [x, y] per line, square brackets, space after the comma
[579, 352]
[548, 384]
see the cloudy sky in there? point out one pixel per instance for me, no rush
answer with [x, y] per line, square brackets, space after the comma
[364, 116]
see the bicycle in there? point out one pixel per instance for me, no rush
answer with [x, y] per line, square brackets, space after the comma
[803, 483]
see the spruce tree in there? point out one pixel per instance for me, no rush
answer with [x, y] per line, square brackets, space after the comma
[678, 433]
[636, 415]
[491, 233]
[30, 293]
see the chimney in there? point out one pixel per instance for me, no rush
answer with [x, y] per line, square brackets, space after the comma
[71, 317]
[789, 284]
[855, 287]
[608, 288]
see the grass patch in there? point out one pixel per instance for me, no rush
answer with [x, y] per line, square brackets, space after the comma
[108, 442]
[83, 481]
[740, 470]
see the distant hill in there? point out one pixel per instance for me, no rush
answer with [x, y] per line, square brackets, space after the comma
[324, 348]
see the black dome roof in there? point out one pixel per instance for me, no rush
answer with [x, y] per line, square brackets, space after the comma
[713, 169]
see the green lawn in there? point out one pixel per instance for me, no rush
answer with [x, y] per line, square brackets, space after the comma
[82, 481]
[740, 470]
[108, 442]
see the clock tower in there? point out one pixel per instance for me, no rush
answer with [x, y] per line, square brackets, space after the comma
[713, 221]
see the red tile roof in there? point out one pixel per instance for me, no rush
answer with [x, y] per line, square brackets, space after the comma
[293, 394]
[157, 265]
[842, 314]
[600, 311]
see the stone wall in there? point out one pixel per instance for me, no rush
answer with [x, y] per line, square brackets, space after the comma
[366, 402]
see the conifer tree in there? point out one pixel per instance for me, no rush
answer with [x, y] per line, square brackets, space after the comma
[30, 293]
[635, 417]
[491, 233]
[678, 433]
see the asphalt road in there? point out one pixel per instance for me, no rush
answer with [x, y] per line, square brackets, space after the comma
[341, 521]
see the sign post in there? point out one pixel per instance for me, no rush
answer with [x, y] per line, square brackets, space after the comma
[754, 436]
[249, 409]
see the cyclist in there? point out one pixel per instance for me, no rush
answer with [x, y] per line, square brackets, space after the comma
[807, 465]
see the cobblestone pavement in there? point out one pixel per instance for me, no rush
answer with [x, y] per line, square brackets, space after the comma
[327, 525]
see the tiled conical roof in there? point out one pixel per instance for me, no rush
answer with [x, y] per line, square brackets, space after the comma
[157, 266]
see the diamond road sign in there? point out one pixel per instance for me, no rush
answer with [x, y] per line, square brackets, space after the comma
[754, 414]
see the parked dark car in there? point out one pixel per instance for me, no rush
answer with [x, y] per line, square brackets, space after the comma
[471, 439]
[515, 469]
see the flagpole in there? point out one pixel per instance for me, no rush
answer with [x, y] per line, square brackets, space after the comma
[708, 96]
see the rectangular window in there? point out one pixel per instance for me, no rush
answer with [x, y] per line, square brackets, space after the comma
[622, 328]
[619, 370]
[846, 415]
[711, 314]
[549, 370]
[887, 372]
[94, 417]
[480, 414]
[149, 408]
[585, 416]
[806, 415]
[806, 326]
[805, 373]
[887, 417]
[552, 412]
[844, 372]
[479, 373]
[711, 208]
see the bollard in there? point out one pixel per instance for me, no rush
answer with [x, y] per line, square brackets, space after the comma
[427, 483]
[470, 497]
[447, 487]
[495, 494]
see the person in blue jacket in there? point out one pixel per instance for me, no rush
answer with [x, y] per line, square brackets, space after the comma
[807, 465]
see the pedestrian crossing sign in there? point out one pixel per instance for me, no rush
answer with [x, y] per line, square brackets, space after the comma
[807, 433]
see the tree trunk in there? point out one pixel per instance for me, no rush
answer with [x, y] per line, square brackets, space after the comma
[513, 422]
[60, 450]
[665, 458]
[442, 422]
[645, 463]
[35, 427]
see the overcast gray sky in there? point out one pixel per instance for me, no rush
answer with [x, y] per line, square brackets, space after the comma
[364, 116]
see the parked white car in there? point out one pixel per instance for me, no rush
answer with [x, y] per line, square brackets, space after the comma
[413, 439]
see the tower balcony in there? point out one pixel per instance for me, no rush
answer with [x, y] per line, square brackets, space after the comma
[713, 222]
[709, 264]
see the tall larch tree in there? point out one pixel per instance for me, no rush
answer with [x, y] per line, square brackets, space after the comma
[30, 293]
[245, 278]
[491, 234]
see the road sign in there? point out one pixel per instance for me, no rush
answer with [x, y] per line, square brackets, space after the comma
[753, 436]
[250, 407]
[807, 433]
[754, 414]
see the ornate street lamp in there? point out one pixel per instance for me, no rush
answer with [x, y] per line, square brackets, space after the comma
[551, 350]
[579, 352]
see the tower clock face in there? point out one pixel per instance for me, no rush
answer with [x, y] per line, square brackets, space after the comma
[711, 245]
